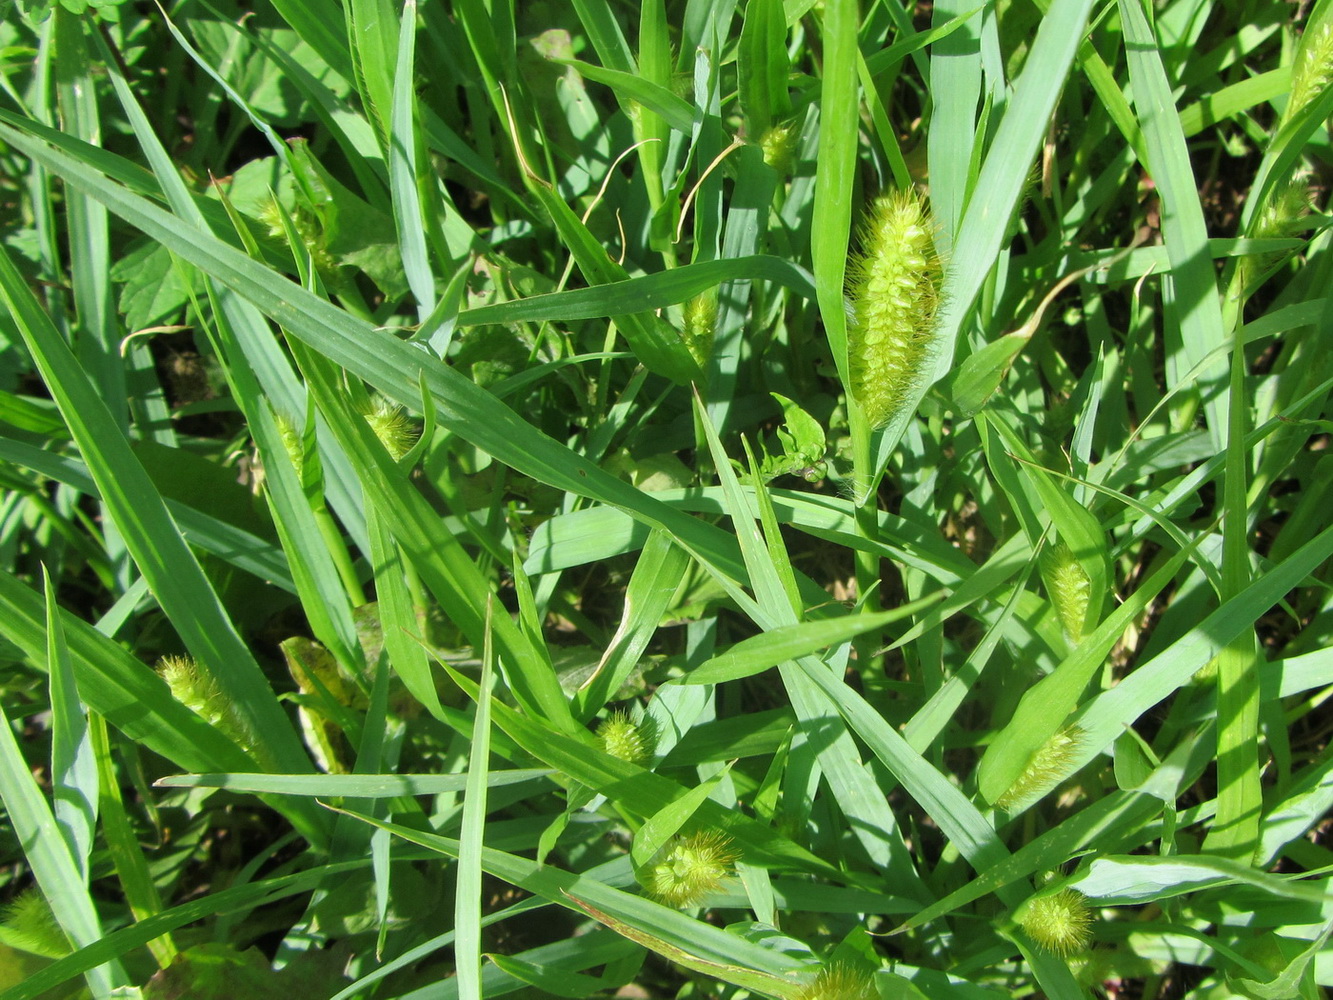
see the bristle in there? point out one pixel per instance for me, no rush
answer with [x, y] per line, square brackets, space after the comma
[895, 297]
[1070, 588]
[622, 739]
[1046, 768]
[1060, 922]
[838, 981]
[690, 867]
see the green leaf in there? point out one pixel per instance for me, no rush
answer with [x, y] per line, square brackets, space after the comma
[1117, 880]
[557, 981]
[651, 291]
[693, 943]
[789, 642]
[651, 338]
[1295, 978]
[1047, 704]
[360, 786]
[976, 380]
[48, 854]
[664, 824]
[237, 898]
[762, 66]
[73, 769]
[644, 792]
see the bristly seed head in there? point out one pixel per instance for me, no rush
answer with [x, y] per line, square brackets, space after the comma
[1312, 70]
[895, 297]
[700, 324]
[778, 144]
[392, 426]
[1046, 768]
[291, 441]
[1060, 923]
[1070, 588]
[839, 982]
[199, 691]
[30, 924]
[623, 739]
[1283, 215]
[690, 867]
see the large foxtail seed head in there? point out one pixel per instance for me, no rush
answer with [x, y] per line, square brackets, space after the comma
[198, 690]
[895, 297]
[1046, 768]
[1070, 588]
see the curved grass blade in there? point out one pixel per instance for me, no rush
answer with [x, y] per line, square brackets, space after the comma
[651, 291]
[49, 857]
[74, 778]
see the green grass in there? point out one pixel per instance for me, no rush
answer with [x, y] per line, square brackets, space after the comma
[443, 382]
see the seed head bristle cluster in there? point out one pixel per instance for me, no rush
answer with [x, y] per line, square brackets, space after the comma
[1312, 70]
[1060, 923]
[700, 324]
[1070, 588]
[392, 426]
[198, 690]
[1047, 767]
[623, 739]
[895, 296]
[1282, 215]
[778, 144]
[30, 924]
[690, 867]
[291, 441]
[839, 982]
[272, 213]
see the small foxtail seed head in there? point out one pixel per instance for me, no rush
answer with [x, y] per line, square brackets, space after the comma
[291, 441]
[778, 144]
[700, 325]
[196, 689]
[1046, 768]
[839, 982]
[271, 214]
[1060, 922]
[1283, 214]
[690, 867]
[623, 739]
[895, 298]
[392, 426]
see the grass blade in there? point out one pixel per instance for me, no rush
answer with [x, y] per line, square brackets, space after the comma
[150, 535]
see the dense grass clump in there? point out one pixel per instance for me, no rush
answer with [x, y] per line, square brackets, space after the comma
[699, 499]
